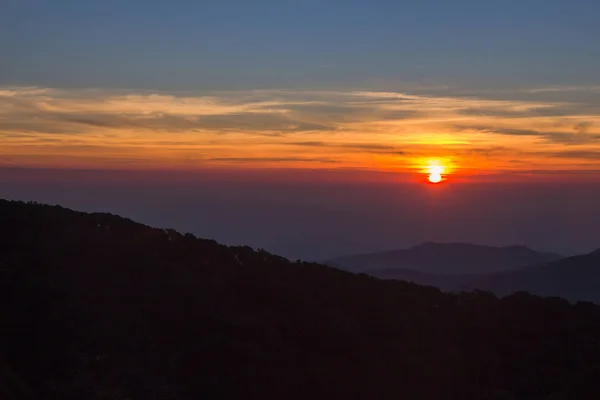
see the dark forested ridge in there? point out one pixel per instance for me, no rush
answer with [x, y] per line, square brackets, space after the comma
[95, 306]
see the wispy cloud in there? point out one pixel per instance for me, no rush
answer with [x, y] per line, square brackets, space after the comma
[591, 88]
[580, 154]
[564, 137]
[274, 160]
[360, 147]
[357, 128]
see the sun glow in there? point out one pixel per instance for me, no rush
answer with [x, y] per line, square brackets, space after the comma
[435, 171]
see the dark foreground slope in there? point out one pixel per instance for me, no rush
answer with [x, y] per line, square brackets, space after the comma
[445, 282]
[95, 306]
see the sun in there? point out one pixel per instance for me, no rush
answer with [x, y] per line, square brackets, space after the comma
[435, 173]
[434, 177]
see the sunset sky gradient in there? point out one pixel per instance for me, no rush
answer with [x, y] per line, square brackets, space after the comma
[306, 126]
[535, 129]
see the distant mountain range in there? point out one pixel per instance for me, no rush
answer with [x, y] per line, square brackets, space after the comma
[446, 259]
[500, 270]
[574, 278]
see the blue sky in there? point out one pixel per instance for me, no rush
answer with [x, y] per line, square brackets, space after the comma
[227, 44]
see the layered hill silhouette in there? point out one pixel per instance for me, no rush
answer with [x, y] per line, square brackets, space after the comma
[95, 306]
[500, 270]
[445, 259]
[573, 278]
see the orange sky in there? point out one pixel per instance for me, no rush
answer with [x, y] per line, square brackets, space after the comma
[528, 130]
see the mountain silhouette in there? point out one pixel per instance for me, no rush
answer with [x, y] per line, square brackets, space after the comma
[446, 282]
[445, 258]
[96, 306]
[501, 270]
[574, 278]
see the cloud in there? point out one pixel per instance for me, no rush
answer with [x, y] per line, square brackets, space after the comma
[553, 136]
[557, 110]
[360, 147]
[579, 154]
[502, 131]
[274, 159]
[489, 151]
[582, 127]
[591, 88]
[350, 112]
[310, 144]
[30, 114]
[290, 126]
[258, 122]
